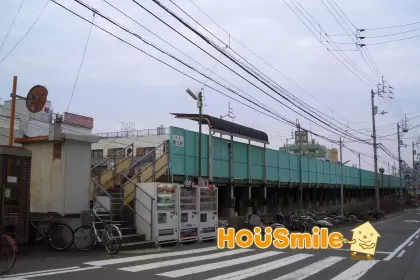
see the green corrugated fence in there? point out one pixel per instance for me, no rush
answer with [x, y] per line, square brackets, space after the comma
[280, 166]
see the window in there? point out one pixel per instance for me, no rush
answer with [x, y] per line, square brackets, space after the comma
[144, 151]
[140, 152]
[149, 149]
[98, 153]
[113, 151]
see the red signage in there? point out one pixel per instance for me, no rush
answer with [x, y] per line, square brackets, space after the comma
[77, 120]
[46, 110]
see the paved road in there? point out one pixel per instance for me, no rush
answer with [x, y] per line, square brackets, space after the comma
[397, 258]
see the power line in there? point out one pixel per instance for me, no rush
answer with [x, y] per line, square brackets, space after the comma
[81, 62]
[392, 34]
[282, 89]
[27, 32]
[11, 25]
[393, 26]
[279, 118]
[285, 120]
[186, 55]
[362, 78]
[230, 58]
[386, 42]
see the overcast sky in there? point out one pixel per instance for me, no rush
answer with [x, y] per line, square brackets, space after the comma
[120, 83]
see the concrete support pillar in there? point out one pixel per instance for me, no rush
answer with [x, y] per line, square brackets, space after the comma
[250, 198]
[231, 209]
[265, 197]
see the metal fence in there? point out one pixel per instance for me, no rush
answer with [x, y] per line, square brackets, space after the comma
[134, 133]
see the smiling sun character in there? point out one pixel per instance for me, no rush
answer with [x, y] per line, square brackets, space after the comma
[364, 240]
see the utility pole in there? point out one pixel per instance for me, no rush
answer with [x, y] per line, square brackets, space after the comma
[413, 174]
[300, 163]
[12, 112]
[199, 100]
[200, 118]
[380, 92]
[360, 172]
[375, 156]
[341, 178]
[399, 153]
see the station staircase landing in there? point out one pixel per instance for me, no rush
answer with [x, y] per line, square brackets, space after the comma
[118, 183]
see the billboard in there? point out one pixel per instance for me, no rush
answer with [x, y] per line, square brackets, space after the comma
[77, 120]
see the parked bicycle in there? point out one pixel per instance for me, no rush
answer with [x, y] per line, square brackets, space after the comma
[86, 237]
[58, 235]
[376, 215]
[8, 250]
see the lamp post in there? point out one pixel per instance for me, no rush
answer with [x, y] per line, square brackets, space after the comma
[382, 170]
[199, 100]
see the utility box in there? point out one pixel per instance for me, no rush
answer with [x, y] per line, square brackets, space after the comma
[15, 174]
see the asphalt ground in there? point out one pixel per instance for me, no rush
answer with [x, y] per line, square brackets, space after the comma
[397, 257]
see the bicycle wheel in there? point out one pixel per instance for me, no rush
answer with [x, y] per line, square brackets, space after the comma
[112, 239]
[7, 253]
[84, 238]
[60, 236]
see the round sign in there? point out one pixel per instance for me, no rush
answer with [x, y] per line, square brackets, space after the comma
[36, 99]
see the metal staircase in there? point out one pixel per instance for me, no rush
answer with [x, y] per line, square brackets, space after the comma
[107, 191]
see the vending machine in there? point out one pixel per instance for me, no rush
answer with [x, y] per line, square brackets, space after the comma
[166, 218]
[187, 214]
[208, 213]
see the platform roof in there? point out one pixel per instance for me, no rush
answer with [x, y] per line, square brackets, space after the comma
[227, 127]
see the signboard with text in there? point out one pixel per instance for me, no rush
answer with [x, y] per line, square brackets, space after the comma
[77, 120]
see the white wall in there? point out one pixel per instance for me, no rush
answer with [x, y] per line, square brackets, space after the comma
[37, 128]
[60, 185]
[76, 178]
[24, 115]
[4, 130]
[46, 182]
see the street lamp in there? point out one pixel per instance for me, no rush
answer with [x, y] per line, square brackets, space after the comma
[199, 100]
[382, 170]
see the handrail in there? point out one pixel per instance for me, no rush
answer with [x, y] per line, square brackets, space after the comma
[96, 214]
[134, 211]
[96, 184]
[143, 157]
[106, 159]
[135, 185]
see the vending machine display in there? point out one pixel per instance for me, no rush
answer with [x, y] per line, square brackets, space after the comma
[188, 214]
[208, 213]
[166, 213]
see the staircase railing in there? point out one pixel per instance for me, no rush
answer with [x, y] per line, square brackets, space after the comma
[137, 200]
[131, 171]
[114, 157]
[98, 190]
